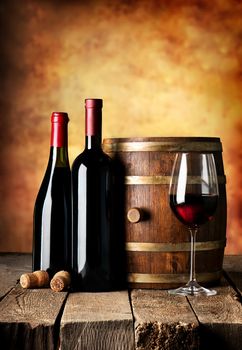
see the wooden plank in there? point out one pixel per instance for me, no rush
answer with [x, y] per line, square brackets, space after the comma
[29, 318]
[220, 318]
[97, 321]
[11, 267]
[233, 271]
[163, 321]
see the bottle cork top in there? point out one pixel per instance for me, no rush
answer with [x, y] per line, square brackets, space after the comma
[59, 117]
[93, 102]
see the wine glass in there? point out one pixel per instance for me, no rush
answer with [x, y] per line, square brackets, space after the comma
[193, 199]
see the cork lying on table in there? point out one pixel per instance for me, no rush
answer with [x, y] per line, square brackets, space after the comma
[60, 281]
[35, 279]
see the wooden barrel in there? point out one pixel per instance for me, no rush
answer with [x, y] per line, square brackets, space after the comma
[157, 244]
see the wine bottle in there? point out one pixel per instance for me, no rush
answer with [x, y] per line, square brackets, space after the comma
[52, 212]
[92, 202]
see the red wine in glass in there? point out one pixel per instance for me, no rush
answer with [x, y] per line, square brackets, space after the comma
[195, 209]
[193, 196]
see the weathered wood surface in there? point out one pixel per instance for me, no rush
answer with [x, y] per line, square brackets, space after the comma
[163, 321]
[29, 318]
[233, 270]
[40, 318]
[97, 321]
[11, 267]
[220, 319]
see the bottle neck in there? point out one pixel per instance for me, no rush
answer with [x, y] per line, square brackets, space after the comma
[59, 157]
[93, 124]
[93, 142]
[59, 139]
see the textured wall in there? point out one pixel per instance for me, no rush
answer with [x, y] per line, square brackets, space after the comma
[163, 68]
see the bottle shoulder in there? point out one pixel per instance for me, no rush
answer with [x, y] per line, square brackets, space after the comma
[89, 157]
[54, 176]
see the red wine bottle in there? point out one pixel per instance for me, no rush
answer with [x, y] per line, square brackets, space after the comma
[52, 212]
[92, 193]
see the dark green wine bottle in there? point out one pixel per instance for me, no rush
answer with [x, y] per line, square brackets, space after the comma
[92, 203]
[52, 212]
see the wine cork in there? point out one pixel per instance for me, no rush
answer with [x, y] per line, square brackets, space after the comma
[60, 281]
[35, 279]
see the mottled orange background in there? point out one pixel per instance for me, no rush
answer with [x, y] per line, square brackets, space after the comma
[163, 68]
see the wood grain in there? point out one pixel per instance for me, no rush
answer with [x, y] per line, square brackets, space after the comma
[97, 321]
[29, 318]
[163, 321]
[233, 269]
[11, 268]
[220, 318]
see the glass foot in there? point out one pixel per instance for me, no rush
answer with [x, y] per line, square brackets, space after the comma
[192, 288]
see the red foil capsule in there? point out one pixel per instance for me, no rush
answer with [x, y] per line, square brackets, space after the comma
[59, 121]
[93, 116]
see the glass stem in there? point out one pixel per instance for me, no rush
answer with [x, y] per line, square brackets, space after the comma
[193, 232]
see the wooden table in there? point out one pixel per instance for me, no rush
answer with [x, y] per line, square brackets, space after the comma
[140, 319]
